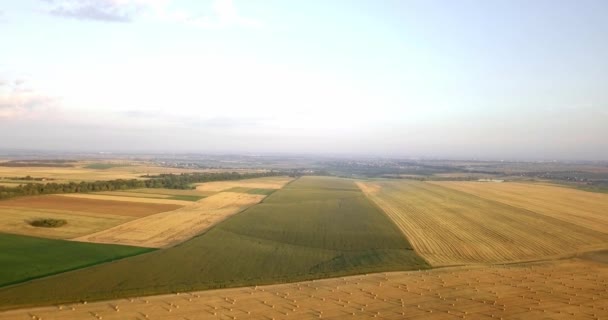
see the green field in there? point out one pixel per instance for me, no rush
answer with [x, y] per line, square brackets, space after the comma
[251, 190]
[23, 258]
[105, 166]
[313, 228]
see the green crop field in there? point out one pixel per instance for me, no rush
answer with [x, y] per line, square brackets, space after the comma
[23, 258]
[312, 228]
[252, 190]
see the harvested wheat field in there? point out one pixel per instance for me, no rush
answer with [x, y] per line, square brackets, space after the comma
[450, 227]
[15, 220]
[80, 172]
[255, 183]
[566, 289]
[169, 228]
[91, 204]
[579, 207]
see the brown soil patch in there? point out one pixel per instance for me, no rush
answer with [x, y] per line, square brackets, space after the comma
[136, 209]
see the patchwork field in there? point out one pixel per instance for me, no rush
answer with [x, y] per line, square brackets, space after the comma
[158, 195]
[450, 227]
[15, 220]
[168, 204]
[312, 228]
[582, 208]
[80, 172]
[94, 204]
[256, 183]
[169, 228]
[566, 289]
[23, 258]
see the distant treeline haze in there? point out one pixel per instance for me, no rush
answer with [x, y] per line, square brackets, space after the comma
[171, 181]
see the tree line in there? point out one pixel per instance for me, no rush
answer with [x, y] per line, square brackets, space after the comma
[170, 181]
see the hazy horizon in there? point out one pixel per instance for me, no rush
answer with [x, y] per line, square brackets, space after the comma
[436, 79]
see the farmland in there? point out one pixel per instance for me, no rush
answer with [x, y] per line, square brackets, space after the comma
[23, 258]
[257, 183]
[92, 204]
[314, 227]
[564, 289]
[83, 216]
[169, 228]
[15, 220]
[578, 207]
[450, 227]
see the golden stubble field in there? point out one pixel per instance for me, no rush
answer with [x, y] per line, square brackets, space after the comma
[84, 216]
[172, 227]
[579, 207]
[563, 289]
[81, 173]
[450, 227]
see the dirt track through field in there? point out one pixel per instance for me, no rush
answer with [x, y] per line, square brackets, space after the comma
[566, 289]
[169, 228]
[449, 227]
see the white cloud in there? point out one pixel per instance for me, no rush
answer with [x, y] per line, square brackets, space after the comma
[223, 14]
[18, 102]
[102, 10]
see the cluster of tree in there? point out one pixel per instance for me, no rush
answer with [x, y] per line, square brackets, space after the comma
[171, 181]
[28, 178]
[185, 180]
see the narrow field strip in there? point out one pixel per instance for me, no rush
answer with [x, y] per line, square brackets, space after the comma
[95, 204]
[90, 196]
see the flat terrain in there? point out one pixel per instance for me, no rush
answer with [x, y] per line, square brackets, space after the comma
[256, 183]
[450, 227]
[169, 228]
[23, 258]
[15, 220]
[582, 208]
[566, 289]
[144, 201]
[312, 228]
[91, 204]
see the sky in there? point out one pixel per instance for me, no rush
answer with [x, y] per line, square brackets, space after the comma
[513, 79]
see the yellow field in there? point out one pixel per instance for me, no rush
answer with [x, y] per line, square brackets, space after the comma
[566, 289]
[256, 183]
[579, 207]
[169, 192]
[449, 227]
[14, 220]
[124, 199]
[80, 173]
[134, 194]
[169, 228]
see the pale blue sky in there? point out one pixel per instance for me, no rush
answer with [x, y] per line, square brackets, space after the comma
[466, 79]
